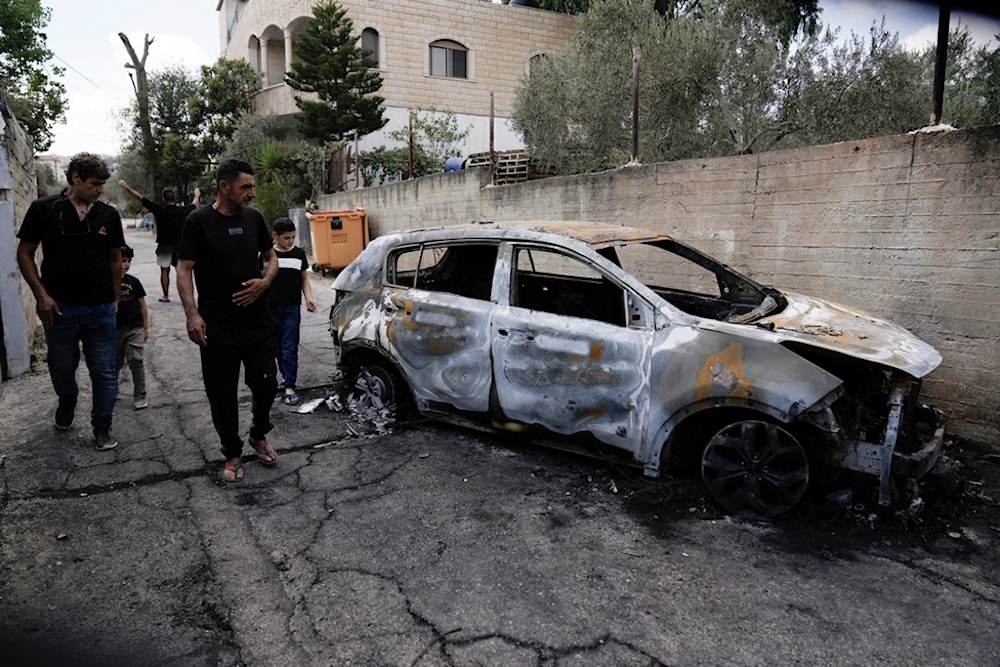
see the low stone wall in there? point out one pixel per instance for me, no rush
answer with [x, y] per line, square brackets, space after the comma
[904, 226]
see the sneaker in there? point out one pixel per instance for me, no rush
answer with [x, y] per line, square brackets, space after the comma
[103, 440]
[64, 415]
[140, 403]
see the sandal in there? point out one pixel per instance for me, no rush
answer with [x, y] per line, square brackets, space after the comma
[292, 398]
[232, 471]
[265, 452]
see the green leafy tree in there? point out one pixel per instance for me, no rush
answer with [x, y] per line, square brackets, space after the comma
[166, 135]
[972, 80]
[310, 164]
[574, 109]
[384, 165]
[787, 16]
[132, 168]
[436, 137]
[562, 6]
[250, 132]
[330, 65]
[48, 183]
[726, 77]
[225, 94]
[175, 129]
[861, 88]
[180, 122]
[28, 81]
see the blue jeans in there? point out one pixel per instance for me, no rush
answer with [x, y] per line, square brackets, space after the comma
[289, 316]
[93, 327]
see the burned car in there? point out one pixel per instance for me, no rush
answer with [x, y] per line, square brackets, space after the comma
[625, 340]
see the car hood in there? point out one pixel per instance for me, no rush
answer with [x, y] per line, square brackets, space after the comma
[853, 332]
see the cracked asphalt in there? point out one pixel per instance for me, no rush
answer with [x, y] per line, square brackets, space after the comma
[432, 545]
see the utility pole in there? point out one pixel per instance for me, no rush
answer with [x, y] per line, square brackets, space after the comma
[940, 61]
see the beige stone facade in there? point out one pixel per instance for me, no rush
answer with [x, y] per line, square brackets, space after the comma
[499, 42]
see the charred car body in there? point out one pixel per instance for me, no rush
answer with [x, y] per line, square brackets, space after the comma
[626, 339]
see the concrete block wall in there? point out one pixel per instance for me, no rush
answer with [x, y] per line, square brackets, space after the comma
[906, 226]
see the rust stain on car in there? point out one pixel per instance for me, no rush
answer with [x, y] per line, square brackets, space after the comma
[723, 375]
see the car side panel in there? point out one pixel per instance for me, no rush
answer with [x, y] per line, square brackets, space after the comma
[441, 343]
[571, 375]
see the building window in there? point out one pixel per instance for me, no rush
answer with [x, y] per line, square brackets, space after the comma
[369, 44]
[449, 59]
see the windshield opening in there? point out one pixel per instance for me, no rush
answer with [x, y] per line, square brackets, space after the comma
[694, 282]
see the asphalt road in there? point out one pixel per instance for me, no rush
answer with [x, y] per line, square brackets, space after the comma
[429, 545]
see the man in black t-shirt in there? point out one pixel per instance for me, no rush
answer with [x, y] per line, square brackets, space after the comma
[220, 252]
[76, 288]
[170, 219]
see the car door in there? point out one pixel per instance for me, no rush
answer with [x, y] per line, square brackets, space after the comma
[437, 311]
[571, 349]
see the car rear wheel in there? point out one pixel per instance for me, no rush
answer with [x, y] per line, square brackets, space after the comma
[755, 466]
[376, 386]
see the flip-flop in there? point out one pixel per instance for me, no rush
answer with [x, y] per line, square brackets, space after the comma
[265, 452]
[291, 399]
[232, 472]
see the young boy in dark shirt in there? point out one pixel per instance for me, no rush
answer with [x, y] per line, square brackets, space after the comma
[285, 301]
[132, 322]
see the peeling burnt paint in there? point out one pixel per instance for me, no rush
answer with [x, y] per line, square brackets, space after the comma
[723, 375]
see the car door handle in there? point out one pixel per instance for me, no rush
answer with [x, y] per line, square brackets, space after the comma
[519, 336]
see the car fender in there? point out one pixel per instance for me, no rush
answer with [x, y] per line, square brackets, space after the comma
[694, 370]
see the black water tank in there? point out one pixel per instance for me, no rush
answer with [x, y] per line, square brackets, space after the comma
[525, 3]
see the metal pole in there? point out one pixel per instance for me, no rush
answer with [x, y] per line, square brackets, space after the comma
[357, 164]
[411, 146]
[635, 104]
[492, 155]
[940, 61]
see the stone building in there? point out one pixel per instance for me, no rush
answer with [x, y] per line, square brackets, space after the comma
[462, 56]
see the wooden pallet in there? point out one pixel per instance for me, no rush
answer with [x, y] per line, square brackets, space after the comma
[510, 166]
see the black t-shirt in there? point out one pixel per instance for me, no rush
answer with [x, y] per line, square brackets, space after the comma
[169, 221]
[76, 265]
[129, 316]
[225, 250]
[287, 287]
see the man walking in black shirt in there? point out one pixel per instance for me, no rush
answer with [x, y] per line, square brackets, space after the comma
[169, 218]
[76, 288]
[220, 250]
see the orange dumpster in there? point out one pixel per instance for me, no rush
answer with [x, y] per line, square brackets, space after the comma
[337, 237]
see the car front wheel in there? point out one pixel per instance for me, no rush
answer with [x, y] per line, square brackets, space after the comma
[755, 466]
[375, 386]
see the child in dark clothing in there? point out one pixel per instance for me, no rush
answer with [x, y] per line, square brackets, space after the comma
[132, 321]
[285, 301]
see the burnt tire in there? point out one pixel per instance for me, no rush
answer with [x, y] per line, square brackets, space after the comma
[377, 386]
[755, 466]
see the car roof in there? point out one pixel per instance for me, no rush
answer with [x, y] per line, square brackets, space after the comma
[595, 234]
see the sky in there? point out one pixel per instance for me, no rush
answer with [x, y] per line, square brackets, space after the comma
[84, 38]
